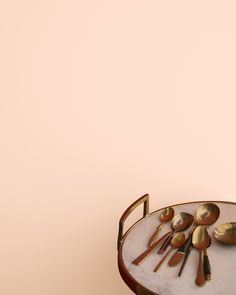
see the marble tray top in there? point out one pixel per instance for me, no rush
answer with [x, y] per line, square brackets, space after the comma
[166, 280]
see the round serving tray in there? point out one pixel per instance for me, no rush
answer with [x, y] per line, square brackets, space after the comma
[143, 281]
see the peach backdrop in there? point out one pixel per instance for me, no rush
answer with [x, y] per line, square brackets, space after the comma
[101, 102]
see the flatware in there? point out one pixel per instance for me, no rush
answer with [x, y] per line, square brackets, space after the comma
[180, 222]
[165, 216]
[201, 241]
[177, 241]
[207, 214]
[207, 266]
[187, 253]
[226, 233]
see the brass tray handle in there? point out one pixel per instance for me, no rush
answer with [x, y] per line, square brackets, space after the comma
[145, 200]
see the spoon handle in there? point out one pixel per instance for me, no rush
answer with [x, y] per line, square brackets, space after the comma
[200, 279]
[150, 249]
[185, 260]
[165, 244]
[155, 235]
[207, 266]
[162, 260]
[187, 251]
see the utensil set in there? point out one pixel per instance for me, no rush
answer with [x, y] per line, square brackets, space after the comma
[198, 238]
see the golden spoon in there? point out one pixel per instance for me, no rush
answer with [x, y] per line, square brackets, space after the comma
[226, 233]
[200, 240]
[166, 215]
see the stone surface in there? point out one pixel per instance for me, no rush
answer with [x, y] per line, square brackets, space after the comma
[166, 280]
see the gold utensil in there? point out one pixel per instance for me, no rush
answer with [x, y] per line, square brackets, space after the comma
[177, 241]
[200, 240]
[168, 240]
[226, 233]
[207, 266]
[207, 214]
[180, 222]
[166, 216]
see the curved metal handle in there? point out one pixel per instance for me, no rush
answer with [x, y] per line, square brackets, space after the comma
[145, 200]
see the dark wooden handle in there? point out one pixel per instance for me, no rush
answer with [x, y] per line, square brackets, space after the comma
[186, 245]
[186, 250]
[185, 260]
[207, 267]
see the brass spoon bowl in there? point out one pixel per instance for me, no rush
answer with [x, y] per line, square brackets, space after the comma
[207, 214]
[226, 233]
[176, 242]
[165, 216]
[182, 221]
[201, 241]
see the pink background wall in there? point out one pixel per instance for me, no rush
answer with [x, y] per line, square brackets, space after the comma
[101, 102]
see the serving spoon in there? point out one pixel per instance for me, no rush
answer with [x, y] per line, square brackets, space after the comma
[165, 216]
[180, 222]
[226, 233]
[201, 241]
